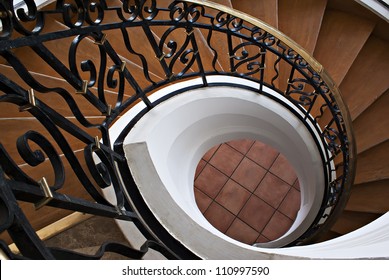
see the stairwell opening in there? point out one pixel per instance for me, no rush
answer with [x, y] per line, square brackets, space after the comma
[165, 146]
[247, 190]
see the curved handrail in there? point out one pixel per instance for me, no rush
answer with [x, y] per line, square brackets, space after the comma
[101, 78]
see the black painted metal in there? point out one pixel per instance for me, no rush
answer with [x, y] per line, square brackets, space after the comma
[101, 45]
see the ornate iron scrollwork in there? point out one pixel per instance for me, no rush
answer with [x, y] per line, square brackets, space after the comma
[97, 75]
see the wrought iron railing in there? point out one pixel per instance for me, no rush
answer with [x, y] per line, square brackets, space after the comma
[93, 50]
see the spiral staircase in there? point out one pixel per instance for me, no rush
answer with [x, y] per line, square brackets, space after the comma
[50, 62]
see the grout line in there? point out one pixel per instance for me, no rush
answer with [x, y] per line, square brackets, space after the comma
[283, 201]
[196, 176]
[205, 195]
[240, 151]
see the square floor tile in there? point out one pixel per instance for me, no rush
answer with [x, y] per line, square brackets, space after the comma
[262, 154]
[284, 170]
[219, 217]
[226, 159]
[248, 174]
[202, 200]
[277, 226]
[242, 232]
[233, 196]
[209, 154]
[291, 204]
[242, 145]
[272, 190]
[200, 167]
[210, 181]
[256, 213]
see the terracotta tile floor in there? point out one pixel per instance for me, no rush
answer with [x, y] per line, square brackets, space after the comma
[247, 190]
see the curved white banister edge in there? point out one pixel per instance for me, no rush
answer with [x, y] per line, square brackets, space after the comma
[368, 242]
[376, 7]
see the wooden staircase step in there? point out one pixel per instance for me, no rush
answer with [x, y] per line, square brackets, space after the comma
[371, 127]
[338, 44]
[328, 236]
[15, 127]
[301, 20]
[370, 197]
[373, 164]
[264, 10]
[54, 99]
[351, 220]
[72, 187]
[367, 78]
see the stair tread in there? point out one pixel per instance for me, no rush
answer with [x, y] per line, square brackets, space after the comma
[373, 164]
[264, 10]
[370, 197]
[350, 221]
[301, 20]
[367, 78]
[53, 99]
[371, 127]
[338, 44]
[18, 127]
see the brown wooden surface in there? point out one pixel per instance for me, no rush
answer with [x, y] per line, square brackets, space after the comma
[367, 79]
[72, 187]
[370, 197]
[341, 38]
[301, 20]
[372, 126]
[264, 10]
[373, 164]
[53, 99]
[350, 221]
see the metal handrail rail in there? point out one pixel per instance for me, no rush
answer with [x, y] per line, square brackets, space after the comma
[178, 59]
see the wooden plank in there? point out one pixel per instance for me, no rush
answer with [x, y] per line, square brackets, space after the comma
[53, 99]
[367, 78]
[264, 10]
[328, 236]
[57, 227]
[370, 197]
[371, 127]
[301, 20]
[47, 215]
[373, 164]
[13, 128]
[350, 221]
[87, 50]
[338, 44]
